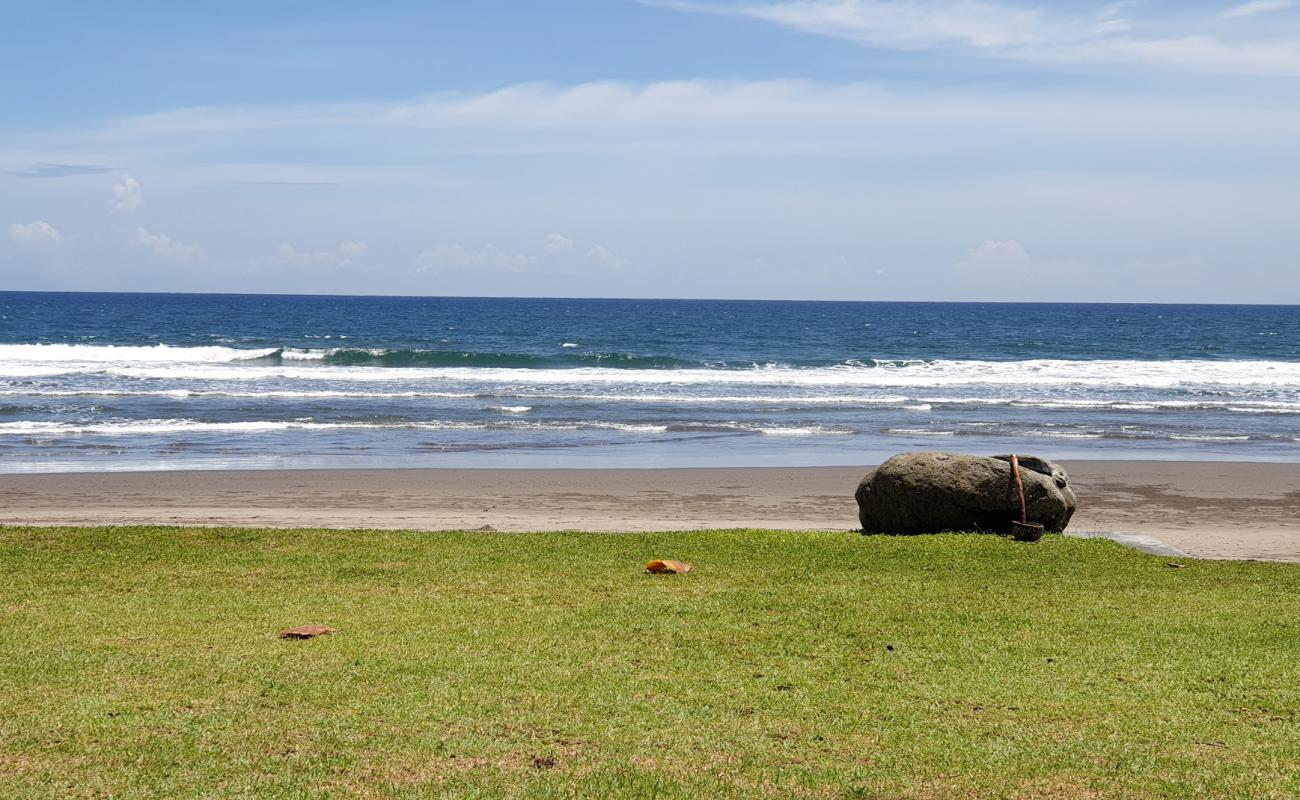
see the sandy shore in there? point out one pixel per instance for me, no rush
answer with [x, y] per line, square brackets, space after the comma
[1207, 509]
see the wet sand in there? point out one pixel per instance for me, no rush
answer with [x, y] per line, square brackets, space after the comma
[1207, 509]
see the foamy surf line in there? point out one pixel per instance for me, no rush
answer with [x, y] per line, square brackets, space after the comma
[920, 405]
[126, 354]
[171, 426]
[1234, 376]
[226, 363]
[168, 427]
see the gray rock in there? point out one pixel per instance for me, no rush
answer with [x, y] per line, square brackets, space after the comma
[1043, 467]
[935, 492]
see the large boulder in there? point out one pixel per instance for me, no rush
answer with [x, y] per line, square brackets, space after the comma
[935, 492]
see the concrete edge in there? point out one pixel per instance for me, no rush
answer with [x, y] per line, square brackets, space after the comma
[1140, 542]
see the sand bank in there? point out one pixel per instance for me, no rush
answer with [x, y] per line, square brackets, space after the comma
[1207, 509]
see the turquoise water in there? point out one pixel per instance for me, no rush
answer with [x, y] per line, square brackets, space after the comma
[128, 381]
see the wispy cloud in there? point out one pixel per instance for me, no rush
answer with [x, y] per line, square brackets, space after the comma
[604, 256]
[905, 24]
[345, 255]
[447, 257]
[127, 195]
[994, 255]
[556, 250]
[34, 234]
[557, 243]
[1256, 7]
[165, 247]
[1030, 33]
[289, 183]
[702, 118]
[45, 170]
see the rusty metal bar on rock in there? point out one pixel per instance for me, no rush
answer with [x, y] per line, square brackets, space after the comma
[1020, 488]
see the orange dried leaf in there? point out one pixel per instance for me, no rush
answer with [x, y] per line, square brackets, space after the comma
[667, 567]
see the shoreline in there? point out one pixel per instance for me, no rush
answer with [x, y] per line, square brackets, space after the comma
[1208, 509]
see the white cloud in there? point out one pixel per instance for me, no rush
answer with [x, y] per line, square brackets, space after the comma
[557, 243]
[165, 247]
[1028, 34]
[1256, 7]
[1194, 53]
[906, 24]
[742, 118]
[342, 256]
[34, 234]
[1113, 25]
[350, 250]
[602, 255]
[1111, 19]
[127, 196]
[712, 174]
[995, 255]
[446, 257]
[458, 257]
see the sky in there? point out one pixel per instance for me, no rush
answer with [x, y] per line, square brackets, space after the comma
[1143, 151]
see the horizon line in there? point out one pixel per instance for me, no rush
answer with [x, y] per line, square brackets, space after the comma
[655, 299]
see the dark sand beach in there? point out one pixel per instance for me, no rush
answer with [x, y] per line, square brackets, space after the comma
[1207, 509]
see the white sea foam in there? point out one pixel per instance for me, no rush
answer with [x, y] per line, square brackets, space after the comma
[169, 426]
[155, 426]
[286, 394]
[105, 354]
[224, 363]
[689, 395]
[1041, 374]
[1207, 438]
[811, 430]
[1263, 408]
[1022, 398]
[1235, 405]
[289, 354]
[631, 427]
[1061, 434]
[192, 427]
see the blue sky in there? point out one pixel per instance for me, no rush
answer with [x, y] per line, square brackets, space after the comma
[821, 149]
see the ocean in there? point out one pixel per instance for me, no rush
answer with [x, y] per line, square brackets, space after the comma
[145, 381]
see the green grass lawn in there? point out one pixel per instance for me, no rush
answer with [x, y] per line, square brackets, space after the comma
[144, 662]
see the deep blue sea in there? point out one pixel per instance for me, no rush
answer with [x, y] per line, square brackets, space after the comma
[146, 381]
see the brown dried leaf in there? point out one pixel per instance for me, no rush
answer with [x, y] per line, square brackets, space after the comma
[305, 632]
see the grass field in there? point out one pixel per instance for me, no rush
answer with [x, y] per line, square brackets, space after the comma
[144, 662]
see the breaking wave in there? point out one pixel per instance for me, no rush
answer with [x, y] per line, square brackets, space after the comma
[227, 363]
[169, 426]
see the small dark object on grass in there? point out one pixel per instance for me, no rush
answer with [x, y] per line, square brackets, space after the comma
[889, 647]
[1026, 531]
[1172, 565]
[305, 632]
[543, 762]
[667, 567]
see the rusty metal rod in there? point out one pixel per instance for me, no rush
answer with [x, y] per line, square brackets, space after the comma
[1020, 488]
